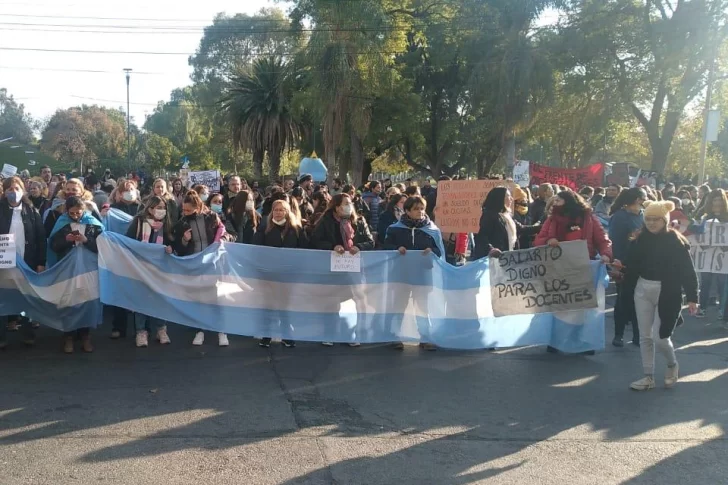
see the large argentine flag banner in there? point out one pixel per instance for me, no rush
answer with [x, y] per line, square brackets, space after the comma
[259, 291]
[65, 297]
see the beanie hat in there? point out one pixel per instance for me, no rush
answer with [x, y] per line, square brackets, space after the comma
[659, 209]
[518, 193]
[305, 178]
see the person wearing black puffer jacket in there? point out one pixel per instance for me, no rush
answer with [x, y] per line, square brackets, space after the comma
[283, 230]
[20, 218]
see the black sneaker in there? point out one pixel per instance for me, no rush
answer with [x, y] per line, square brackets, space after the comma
[264, 342]
[636, 343]
[618, 342]
[552, 350]
[289, 343]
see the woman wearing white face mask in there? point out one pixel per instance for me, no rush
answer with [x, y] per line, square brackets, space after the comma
[20, 218]
[160, 189]
[203, 192]
[282, 231]
[129, 199]
[153, 227]
[243, 217]
[340, 229]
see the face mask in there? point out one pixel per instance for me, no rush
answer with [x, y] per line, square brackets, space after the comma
[347, 210]
[686, 202]
[249, 205]
[130, 196]
[217, 208]
[15, 197]
[282, 222]
[159, 214]
[204, 197]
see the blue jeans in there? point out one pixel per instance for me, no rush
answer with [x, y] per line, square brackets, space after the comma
[144, 322]
[706, 284]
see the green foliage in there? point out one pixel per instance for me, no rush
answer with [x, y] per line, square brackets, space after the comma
[14, 121]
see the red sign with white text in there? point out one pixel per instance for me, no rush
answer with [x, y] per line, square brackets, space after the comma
[574, 178]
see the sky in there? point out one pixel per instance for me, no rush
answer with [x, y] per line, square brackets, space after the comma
[46, 81]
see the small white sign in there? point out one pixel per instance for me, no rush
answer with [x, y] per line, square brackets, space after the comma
[345, 263]
[8, 253]
[8, 170]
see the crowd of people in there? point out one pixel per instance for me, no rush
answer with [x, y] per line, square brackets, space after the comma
[632, 230]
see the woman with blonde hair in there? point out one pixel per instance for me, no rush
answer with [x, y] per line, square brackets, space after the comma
[72, 188]
[161, 190]
[283, 230]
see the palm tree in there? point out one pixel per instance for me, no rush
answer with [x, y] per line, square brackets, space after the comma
[257, 106]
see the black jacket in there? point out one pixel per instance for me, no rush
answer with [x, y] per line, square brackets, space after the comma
[538, 210]
[327, 234]
[494, 235]
[61, 247]
[131, 209]
[386, 219]
[278, 238]
[135, 232]
[212, 221]
[245, 233]
[398, 237]
[677, 272]
[35, 235]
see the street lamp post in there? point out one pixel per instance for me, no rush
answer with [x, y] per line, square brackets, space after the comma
[128, 119]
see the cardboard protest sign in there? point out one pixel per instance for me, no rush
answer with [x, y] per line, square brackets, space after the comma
[8, 253]
[459, 203]
[345, 263]
[521, 173]
[542, 280]
[574, 178]
[8, 171]
[709, 249]
[209, 178]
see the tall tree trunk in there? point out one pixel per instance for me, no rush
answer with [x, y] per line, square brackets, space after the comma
[258, 156]
[357, 158]
[366, 170]
[274, 157]
[509, 152]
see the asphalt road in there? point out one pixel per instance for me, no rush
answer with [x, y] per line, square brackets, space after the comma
[368, 415]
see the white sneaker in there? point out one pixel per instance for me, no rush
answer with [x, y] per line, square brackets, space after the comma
[199, 338]
[142, 339]
[327, 344]
[643, 384]
[355, 344]
[222, 340]
[163, 337]
[671, 375]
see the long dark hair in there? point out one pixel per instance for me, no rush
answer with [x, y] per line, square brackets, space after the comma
[495, 201]
[626, 198]
[151, 203]
[574, 204]
[237, 211]
[335, 202]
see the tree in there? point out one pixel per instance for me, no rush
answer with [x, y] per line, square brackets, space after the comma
[14, 121]
[259, 112]
[160, 153]
[85, 135]
[658, 51]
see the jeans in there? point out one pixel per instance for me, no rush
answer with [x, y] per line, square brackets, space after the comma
[706, 284]
[621, 319]
[26, 330]
[646, 297]
[144, 322]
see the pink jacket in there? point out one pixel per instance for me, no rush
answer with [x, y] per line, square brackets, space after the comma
[557, 227]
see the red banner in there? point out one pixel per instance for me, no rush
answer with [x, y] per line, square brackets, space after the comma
[574, 178]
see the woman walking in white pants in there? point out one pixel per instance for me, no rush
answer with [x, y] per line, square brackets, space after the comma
[657, 271]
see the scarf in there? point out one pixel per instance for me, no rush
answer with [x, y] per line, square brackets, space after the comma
[347, 232]
[152, 231]
[511, 229]
[425, 225]
[86, 219]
